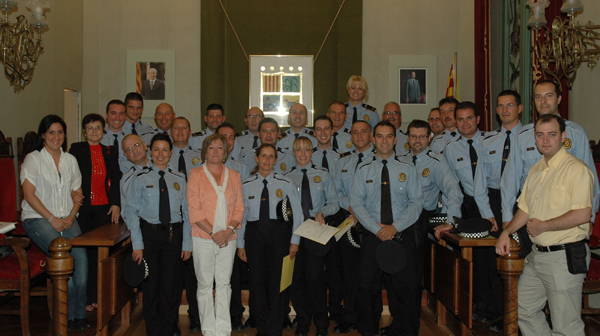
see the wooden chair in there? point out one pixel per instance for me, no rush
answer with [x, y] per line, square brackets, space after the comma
[20, 271]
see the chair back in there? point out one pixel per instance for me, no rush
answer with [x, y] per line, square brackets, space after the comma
[8, 182]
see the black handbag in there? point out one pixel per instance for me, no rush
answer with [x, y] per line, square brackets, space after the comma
[576, 261]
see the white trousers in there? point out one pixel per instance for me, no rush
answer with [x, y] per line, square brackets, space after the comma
[210, 267]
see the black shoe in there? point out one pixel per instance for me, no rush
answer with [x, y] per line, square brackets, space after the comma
[301, 331]
[236, 324]
[344, 327]
[385, 330]
[195, 327]
[287, 323]
[477, 315]
[490, 318]
[497, 326]
[176, 331]
[250, 323]
[74, 325]
[83, 322]
[322, 332]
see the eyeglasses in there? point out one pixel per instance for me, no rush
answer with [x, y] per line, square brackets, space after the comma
[420, 137]
[91, 128]
[508, 106]
[135, 146]
[389, 113]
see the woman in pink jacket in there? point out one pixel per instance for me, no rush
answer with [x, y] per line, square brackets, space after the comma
[216, 208]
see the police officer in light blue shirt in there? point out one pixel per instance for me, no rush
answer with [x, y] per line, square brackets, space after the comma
[356, 109]
[297, 118]
[228, 132]
[113, 133]
[268, 132]
[340, 135]
[137, 159]
[324, 154]
[265, 240]
[387, 199]
[446, 108]
[180, 133]
[215, 116]
[248, 140]
[525, 154]
[134, 104]
[392, 113]
[155, 211]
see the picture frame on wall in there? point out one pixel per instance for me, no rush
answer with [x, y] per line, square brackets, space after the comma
[415, 101]
[413, 85]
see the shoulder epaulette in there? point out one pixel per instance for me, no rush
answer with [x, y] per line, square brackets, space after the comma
[315, 149]
[432, 154]
[198, 133]
[143, 172]
[453, 140]
[346, 104]
[405, 154]
[278, 176]
[401, 131]
[310, 132]
[369, 107]
[320, 168]
[250, 179]
[366, 163]
[239, 134]
[176, 173]
[346, 130]
[282, 135]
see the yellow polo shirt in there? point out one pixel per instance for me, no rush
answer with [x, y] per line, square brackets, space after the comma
[552, 189]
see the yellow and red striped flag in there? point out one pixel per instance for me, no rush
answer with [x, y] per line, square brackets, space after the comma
[452, 90]
[138, 78]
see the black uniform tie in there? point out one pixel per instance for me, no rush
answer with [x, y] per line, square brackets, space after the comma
[335, 143]
[182, 168]
[360, 156]
[386, 196]
[255, 143]
[296, 135]
[133, 129]
[164, 209]
[324, 163]
[306, 199]
[473, 157]
[355, 116]
[116, 142]
[505, 152]
[264, 214]
[453, 133]
[415, 160]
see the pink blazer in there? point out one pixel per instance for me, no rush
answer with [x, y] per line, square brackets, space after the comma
[202, 200]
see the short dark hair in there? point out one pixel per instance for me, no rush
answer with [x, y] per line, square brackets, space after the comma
[115, 102]
[384, 123]
[511, 93]
[183, 118]
[546, 118]
[161, 137]
[225, 125]
[467, 105]
[448, 100]
[557, 88]
[361, 121]
[215, 107]
[134, 96]
[45, 124]
[259, 149]
[324, 117]
[90, 118]
[418, 123]
[337, 102]
[268, 120]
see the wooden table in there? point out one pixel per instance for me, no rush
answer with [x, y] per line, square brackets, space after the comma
[114, 294]
[449, 280]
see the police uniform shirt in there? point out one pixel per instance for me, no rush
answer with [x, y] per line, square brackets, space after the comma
[438, 144]
[142, 201]
[191, 156]
[238, 166]
[402, 146]
[279, 186]
[322, 189]
[140, 127]
[284, 164]
[524, 155]
[432, 170]
[364, 112]
[197, 138]
[147, 137]
[343, 174]
[457, 154]
[109, 140]
[243, 143]
[126, 178]
[406, 194]
[343, 139]
[287, 138]
[333, 155]
[493, 148]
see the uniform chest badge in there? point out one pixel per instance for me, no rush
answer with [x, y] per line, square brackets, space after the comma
[176, 186]
[568, 143]
[367, 118]
[406, 146]
[317, 179]
[195, 161]
[426, 172]
[283, 166]
[349, 144]
[279, 193]
[402, 177]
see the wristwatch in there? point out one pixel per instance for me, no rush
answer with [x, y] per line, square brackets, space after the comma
[233, 230]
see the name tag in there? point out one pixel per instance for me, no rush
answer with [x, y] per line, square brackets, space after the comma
[250, 197]
[369, 181]
[459, 159]
[344, 170]
[492, 152]
[150, 186]
[530, 149]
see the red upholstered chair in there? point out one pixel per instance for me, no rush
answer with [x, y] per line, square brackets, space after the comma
[20, 271]
[592, 281]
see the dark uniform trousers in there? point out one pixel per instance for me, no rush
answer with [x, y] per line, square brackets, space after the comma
[162, 287]
[266, 245]
[239, 277]
[350, 267]
[190, 284]
[402, 286]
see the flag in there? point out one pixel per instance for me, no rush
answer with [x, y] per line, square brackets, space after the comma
[271, 83]
[452, 90]
[138, 78]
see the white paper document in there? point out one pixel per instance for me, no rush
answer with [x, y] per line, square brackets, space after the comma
[312, 230]
[344, 227]
[6, 227]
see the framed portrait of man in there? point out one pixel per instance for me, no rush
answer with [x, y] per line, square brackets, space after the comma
[413, 86]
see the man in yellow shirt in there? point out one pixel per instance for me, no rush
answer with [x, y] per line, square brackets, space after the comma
[556, 205]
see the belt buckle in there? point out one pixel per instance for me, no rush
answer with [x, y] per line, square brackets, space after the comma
[170, 232]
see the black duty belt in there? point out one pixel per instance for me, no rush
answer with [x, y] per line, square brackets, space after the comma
[157, 227]
[556, 247]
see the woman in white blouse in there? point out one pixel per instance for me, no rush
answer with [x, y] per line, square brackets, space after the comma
[48, 176]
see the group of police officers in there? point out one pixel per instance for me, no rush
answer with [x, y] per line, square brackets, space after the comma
[389, 181]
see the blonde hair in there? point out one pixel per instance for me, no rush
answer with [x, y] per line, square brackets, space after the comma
[300, 141]
[363, 84]
[209, 141]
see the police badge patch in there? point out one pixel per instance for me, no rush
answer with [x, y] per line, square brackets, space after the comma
[349, 144]
[402, 177]
[367, 118]
[568, 143]
[317, 179]
[426, 172]
[176, 186]
[406, 146]
[195, 161]
[283, 166]
[279, 193]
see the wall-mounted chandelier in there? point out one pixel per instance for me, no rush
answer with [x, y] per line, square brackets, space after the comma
[19, 49]
[562, 48]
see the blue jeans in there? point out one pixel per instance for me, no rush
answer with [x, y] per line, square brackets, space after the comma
[42, 233]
